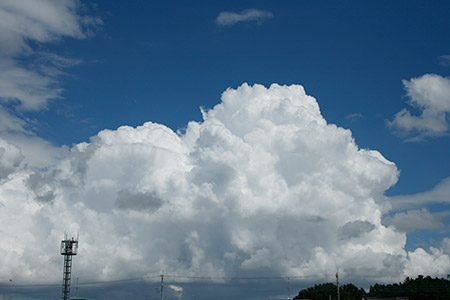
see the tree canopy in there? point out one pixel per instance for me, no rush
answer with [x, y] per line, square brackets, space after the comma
[415, 289]
[324, 291]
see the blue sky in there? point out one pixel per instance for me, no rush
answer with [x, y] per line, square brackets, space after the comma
[74, 72]
[351, 57]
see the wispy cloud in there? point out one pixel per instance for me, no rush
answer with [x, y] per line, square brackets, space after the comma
[227, 18]
[429, 94]
[28, 80]
[354, 116]
[439, 194]
[412, 220]
[10, 123]
[444, 60]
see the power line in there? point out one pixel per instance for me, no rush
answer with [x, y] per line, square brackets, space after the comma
[167, 276]
[242, 278]
[120, 280]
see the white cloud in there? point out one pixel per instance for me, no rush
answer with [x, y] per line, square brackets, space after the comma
[41, 21]
[439, 194]
[10, 159]
[29, 79]
[10, 123]
[227, 18]
[430, 94]
[38, 153]
[421, 262]
[178, 290]
[414, 219]
[262, 185]
[446, 245]
[24, 88]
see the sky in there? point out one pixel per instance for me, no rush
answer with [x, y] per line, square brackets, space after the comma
[214, 142]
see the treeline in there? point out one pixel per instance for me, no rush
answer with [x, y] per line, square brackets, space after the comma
[415, 289]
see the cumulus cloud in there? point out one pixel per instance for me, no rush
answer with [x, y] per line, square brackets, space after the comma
[429, 94]
[10, 159]
[263, 185]
[227, 18]
[421, 262]
[37, 152]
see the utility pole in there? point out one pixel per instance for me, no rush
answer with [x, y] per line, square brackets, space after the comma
[289, 288]
[162, 287]
[337, 284]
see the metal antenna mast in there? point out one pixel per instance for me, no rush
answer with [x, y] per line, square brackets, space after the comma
[69, 247]
[162, 287]
[289, 288]
[337, 285]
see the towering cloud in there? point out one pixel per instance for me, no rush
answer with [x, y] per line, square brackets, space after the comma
[263, 185]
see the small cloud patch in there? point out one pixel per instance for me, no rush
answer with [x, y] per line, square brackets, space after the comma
[444, 60]
[430, 95]
[227, 18]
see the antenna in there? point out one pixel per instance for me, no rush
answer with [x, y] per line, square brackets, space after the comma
[289, 288]
[337, 285]
[162, 287]
[69, 248]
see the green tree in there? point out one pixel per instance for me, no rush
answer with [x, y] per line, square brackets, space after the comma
[415, 289]
[325, 290]
[351, 292]
[318, 292]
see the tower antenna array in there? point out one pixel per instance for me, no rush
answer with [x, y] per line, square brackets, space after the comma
[69, 248]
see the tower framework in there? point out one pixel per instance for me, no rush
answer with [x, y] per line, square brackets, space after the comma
[69, 248]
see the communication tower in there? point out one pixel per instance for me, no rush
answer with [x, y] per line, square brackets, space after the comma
[69, 248]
